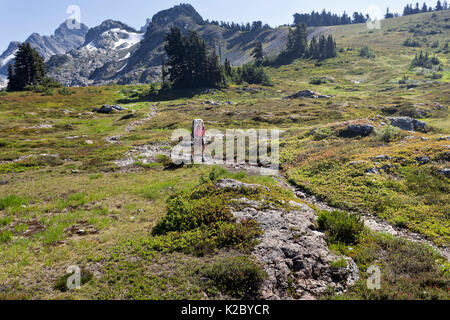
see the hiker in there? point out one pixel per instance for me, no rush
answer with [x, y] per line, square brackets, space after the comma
[198, 139]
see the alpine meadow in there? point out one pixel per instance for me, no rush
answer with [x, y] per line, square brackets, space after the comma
[195, 159]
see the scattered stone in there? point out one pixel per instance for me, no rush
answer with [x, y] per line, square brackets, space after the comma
[383, 157]
[443, 138]
[445, 172]
[357, 130]
[423, 160]
[354, 163]
[373, 170]
[237, 185]
[89, 142]
[81, 229]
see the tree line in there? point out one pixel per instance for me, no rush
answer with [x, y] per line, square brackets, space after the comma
[320, 48]
[247, 27]
[411, 9]
[324, 18]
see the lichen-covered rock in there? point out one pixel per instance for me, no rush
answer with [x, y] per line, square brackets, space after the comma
[357, 130]
[294, 255]
[408, 124]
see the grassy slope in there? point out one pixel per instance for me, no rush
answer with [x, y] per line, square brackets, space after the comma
[81, 185]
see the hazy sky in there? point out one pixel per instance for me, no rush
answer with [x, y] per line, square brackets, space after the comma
[20, 18]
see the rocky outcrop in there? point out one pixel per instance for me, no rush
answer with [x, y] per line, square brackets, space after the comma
[408, 124]
[295, 256]
[357, 130]
[308, 94]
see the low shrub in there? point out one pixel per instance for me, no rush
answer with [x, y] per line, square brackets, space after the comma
[341, 227]
[239, 277]
[367, 52]
[61, 283]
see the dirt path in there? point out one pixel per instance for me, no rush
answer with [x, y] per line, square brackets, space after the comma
[371, 222]
[132, 125]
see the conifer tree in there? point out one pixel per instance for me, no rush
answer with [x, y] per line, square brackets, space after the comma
[258, 53]
[29, 68]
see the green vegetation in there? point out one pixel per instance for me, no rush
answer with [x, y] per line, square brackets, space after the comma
[238, 277]
[69, 195]
[341, 227]
[28, 71]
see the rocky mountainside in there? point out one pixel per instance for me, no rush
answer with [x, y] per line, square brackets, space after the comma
[103, 55]
[116, 53]
[62, 41]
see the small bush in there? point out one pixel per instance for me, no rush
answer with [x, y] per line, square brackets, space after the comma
[367, 52]
[5, 236]
[64, 92]
[239, 277]
[317, 81]
[341, 227]
[389, 134]
[322, 133]
[410, 42]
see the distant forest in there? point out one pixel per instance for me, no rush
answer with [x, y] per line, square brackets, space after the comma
[324, 18]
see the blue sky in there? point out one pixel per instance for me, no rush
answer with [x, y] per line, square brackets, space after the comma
[20, 18]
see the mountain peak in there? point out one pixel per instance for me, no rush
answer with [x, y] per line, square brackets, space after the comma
[106, 25]
[64, 29]
[182, 11]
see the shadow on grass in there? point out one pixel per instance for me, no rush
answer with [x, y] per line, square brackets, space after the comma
[167, 95]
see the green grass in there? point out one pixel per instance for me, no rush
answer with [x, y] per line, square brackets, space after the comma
[78, 184]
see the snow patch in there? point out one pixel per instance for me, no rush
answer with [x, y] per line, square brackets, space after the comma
[126, 57]
[3, 82]
[5, 61]
[122, 67]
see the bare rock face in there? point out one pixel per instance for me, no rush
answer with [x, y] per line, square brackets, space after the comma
[294, 255]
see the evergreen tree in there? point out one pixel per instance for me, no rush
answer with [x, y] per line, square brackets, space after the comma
[190, 64]
[424, 7]
[29, 68]
[297, 42]
[258, 53]
[439, 6]
[330, 48]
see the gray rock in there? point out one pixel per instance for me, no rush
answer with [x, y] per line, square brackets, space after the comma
[308, 94]
[107, 109]
[357, 130]
[293, 254]
[407, 123]
[423, 160]
[372, 171]
[445, 172]
[383, 157]
[237, 185]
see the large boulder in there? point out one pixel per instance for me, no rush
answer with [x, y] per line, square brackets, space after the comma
[308, 94]
[408, 124]
[357, 130]
[107, 109]
[292, 252]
